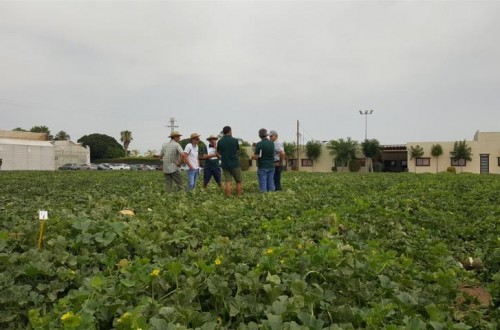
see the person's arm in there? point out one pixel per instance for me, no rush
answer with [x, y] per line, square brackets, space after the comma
[257, 153]
[184, 159]
[282, 154]
[181, 156]
[186, 152]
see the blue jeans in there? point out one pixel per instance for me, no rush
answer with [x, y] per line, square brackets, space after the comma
[277, 177]
[266, 179]
[192, 175]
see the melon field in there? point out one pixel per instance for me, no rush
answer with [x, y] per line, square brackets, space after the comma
[331, 251]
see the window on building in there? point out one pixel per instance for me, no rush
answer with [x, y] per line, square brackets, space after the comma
[389, 163]
[498, 161]
[458, 162]
[423, 161]
[306, 162]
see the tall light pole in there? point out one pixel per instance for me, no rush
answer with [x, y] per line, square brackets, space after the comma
[366, 113]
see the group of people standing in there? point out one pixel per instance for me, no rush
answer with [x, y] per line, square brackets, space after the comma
[269, 153]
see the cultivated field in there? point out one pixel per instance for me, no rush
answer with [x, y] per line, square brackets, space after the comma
[334, 251]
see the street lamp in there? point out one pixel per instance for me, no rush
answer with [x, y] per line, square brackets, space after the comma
[366, 113]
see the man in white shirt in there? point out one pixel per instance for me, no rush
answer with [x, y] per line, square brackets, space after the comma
[191, 156]
[279, 156]
[212, 164]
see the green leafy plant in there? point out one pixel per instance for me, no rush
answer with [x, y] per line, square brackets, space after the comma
[343, 151]
[437, 151]
[348, 251]
[371, 149]
[416, 152]
[461, 152]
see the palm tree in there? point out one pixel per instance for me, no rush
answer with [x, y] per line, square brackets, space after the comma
[343, 151]
[62, 135]
[42, 129]
[436, 151]
[416, 152]
[126, 138]
[461, 151]
[135, 153]
[371, 149]
[150, 153]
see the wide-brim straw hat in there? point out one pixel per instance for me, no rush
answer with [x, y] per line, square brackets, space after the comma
[195, 136]
[212, 137]
[174, 134]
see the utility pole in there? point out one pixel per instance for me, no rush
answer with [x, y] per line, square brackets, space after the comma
[366, 113]
[172, 125]
[298, 146]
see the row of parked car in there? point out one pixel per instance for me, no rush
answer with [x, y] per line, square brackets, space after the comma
[108, 166]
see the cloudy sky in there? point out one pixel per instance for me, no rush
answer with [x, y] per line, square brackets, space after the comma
[429, 70]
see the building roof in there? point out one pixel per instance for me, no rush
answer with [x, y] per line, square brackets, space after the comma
[20, 142]
[23, 135]
[393, 147]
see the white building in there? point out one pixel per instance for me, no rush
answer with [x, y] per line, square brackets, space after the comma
[32, 151]
[70, 152]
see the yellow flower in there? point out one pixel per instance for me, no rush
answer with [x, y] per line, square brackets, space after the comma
[300, 246]
[269, 251]
[289, 218]
[66, 316]
[155, 272]
[218, 262]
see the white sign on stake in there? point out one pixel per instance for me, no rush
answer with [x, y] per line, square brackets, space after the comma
[43, 215]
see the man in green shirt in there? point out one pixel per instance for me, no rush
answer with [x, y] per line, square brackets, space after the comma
[264, 154]
[228, 148]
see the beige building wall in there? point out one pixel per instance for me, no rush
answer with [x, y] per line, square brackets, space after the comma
[70, 152]
[485, 145]
[323, 164]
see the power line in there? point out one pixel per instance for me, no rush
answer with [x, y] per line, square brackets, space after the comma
[307, 133]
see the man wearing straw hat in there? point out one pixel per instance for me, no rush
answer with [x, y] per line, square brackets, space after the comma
[212, 166]
[173, 156]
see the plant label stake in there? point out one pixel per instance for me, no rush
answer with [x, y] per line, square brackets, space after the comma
[42, 216]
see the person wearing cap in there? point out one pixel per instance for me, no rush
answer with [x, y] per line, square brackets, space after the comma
[227, 148]
[172, 155]
[264, 154]
[212, 166]
[191, 156]
[279, 156]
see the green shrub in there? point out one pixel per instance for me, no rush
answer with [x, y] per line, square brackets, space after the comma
[378, 167]
[451, 169]
[354, 165]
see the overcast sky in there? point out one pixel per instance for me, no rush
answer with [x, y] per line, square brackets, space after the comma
[429, 70]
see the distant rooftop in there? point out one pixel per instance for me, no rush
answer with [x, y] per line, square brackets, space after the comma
[23, 135]
[393, 147]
